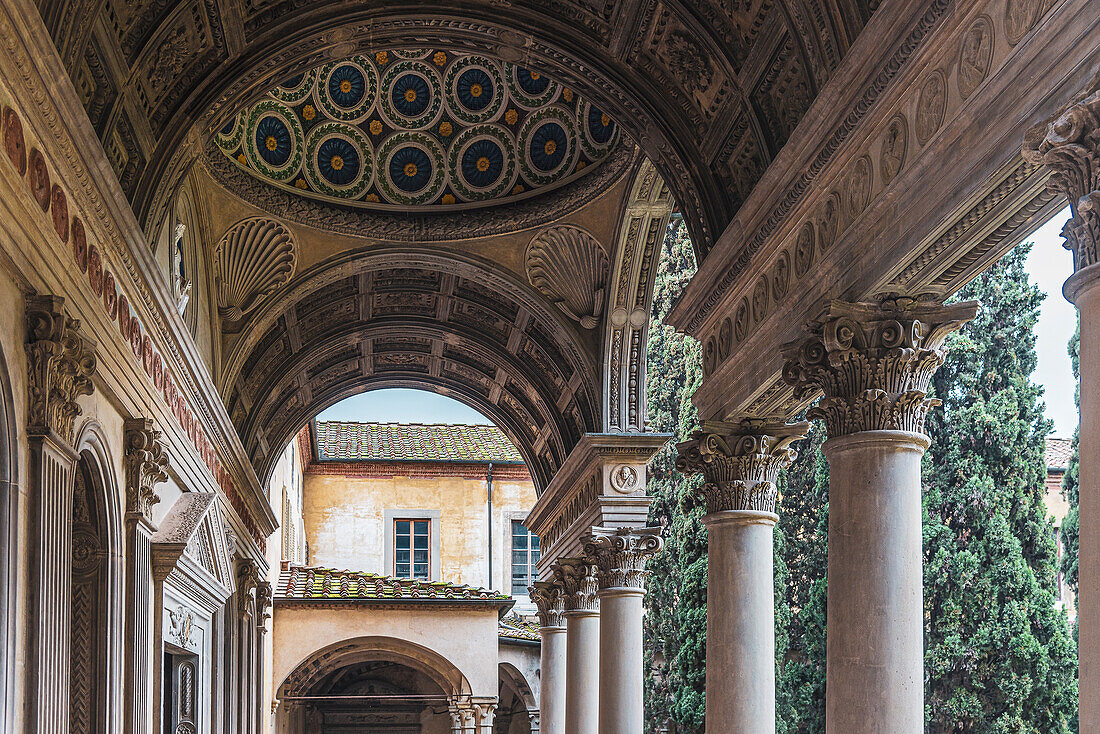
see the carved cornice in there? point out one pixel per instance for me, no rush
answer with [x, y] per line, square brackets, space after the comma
[550, 599]
[1069, 145]
[146, 466]
[874, 362]
[740, 462]
[577, 577]
[620, 555]
[61, 362]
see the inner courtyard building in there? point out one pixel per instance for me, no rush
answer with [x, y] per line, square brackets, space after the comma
[219, 218]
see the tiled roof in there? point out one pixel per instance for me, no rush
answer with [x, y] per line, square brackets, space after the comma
[347, 441]
[1058, 453]
[327, 584]
[512, 628]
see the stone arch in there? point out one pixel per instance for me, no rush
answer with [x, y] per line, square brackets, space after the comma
[395, 317]
[97, 587]
[511, 676]
[9, 511]
[370, 648]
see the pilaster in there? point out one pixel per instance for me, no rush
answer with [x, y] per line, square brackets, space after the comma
[146, 461]
[60, 365]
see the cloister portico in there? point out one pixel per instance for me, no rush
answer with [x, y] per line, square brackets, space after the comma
[220, 217]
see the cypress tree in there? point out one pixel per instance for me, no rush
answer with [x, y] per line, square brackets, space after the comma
[675, 621]
[998, 656]
[1069, 481]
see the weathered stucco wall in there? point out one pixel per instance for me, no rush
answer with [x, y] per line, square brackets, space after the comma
[345, 521]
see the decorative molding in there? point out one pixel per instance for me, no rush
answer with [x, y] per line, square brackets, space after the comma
[549, 597]
[253, 258]
[146, 466]
[1069, 145]
[61, 362]
[874, 362]
[567, 265]
[577, 578]
[740, 462]
[620, 555]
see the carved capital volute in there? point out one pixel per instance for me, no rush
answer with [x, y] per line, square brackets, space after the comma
[740, 462]
[549, 597]
[1069, 145]
[146, 465]
[248, 578]
[874, 362]
[61, 362]
[264, 599]
[577, 578]
[620, 555]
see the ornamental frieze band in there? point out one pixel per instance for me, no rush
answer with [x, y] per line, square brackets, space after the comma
[874, 362]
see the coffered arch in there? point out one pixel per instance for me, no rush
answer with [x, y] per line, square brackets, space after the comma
[395, 318]
[711, 90]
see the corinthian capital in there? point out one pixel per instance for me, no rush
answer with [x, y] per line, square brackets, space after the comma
[1069, 145]
[146, 465]
[550, 600]
[621, 553]
[874, 362]
[577, 578]
[740, 462]
[61, 364]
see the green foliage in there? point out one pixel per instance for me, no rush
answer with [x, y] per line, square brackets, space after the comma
[676, 602]
[802, 552]
[998, 655]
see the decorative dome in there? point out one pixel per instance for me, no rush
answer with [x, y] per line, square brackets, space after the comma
[418, 127]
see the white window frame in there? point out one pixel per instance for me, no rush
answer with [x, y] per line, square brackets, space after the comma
[391, 516]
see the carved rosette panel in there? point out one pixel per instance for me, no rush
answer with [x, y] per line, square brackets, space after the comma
[146, 465]
[874, 362]
[577, 578]
[740, 462]
[620, 555]
[569, 267]
[254, 257]
[1069, 145]
[61, 362]
[550, 600]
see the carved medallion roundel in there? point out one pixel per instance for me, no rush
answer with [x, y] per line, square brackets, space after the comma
[894, 142]
[975, 56]
[40, 179]
[14, 143]
[59, 210]
[931, 105]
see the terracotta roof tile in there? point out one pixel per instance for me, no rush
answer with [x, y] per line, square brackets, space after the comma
[518, 629]
[1058, 453]
[351, 441]
[317, 583]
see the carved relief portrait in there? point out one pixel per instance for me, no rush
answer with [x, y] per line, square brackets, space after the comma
[829, 221]
[931, 105]
[741, 321]
[894, 141]
[1020, 15]
[975, 56]
[725, 339]
[781, 274]
[857, 188]
[804, 250]
[760, 299]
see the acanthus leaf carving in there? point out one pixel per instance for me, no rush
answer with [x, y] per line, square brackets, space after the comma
[549, 598]
[740, 462]
[620, 555]
[874, 362]
[577, 578]
[568, 266]
[146, 465]
[61, 362]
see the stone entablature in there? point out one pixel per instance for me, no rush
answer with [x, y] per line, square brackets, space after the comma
[740, 462]
[601, 483]
[874, 362]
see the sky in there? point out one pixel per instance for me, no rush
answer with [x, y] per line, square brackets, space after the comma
[1049, 264]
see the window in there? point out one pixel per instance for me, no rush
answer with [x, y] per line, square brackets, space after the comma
[412, 549]
[525, 554]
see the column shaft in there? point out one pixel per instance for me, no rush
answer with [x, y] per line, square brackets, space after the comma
[621, 710]
[552, 690]
[582, 672]
[139, 626]
[740, 622]
[1087, 298]
[875, 646]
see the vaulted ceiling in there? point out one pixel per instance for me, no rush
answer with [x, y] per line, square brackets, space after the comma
[710, 89]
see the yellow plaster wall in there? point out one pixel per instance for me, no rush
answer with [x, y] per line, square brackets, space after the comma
[344, 521]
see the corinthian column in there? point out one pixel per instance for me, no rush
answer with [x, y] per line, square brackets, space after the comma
[740, 463]
[146, 467]
[582, 633]
[874, 363]
[550, 600]
[620, 556]
[1069, 145]
[60, 364]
